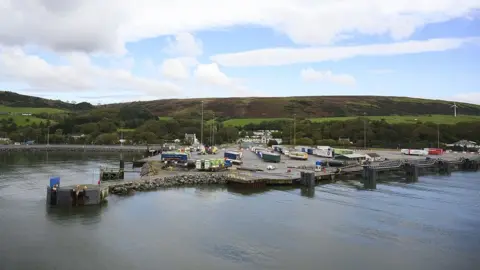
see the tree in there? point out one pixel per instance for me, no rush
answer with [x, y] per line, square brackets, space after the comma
[106, 138]
[272, 142]
[304, 141]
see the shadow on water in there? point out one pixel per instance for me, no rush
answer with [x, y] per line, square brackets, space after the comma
[246, 190]
[67, 215]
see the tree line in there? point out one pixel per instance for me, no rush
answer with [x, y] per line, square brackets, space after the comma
[378, 133]
[138, 125]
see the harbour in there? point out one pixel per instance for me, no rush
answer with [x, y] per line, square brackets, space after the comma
[433, 223]
[254, 171]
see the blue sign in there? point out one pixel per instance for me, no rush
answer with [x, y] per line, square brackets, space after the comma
[54, 181]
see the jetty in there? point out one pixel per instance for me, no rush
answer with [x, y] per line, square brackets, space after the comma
[257, 173]
[408, 169]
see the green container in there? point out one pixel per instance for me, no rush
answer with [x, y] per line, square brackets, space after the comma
[270, 157]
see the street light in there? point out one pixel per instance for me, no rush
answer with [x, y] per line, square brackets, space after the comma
[294, 130]
[365, 131]
[201, 128]
[438, 135]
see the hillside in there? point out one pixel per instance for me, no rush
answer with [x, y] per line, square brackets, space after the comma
[265, 107]
[309, 107]
[12, 99]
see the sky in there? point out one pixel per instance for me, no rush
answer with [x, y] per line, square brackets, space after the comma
[122, 50]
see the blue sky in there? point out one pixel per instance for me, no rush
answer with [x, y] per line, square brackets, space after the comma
[157, 50]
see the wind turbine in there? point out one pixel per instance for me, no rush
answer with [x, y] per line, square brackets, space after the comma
[454, 106]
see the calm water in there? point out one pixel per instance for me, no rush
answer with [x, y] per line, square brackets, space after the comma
[433, 224]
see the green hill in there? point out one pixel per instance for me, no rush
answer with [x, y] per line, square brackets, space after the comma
[36, 104]
[306, 107]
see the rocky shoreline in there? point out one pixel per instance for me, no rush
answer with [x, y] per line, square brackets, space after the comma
[159, 182]
[71, 148]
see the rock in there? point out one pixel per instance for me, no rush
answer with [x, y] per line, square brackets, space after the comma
[127, 188]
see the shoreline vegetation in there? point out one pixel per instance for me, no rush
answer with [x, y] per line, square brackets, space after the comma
[75, 148]
[321, 120]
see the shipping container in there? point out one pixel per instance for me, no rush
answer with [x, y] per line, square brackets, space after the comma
[174, 156]
[233, 155]
[270, 157]
[339, 151]
[325, 152]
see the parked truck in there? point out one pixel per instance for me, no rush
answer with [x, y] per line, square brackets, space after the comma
[216, 164]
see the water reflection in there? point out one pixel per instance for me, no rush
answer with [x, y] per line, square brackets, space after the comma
[307, 192]
[70, 215]
[431, 224]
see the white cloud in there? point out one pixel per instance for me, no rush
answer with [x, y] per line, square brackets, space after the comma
[186, 45]
[78, 75]
[174, 69]
[286, 56]
[211, 74]
[86, 26]
[310, 74]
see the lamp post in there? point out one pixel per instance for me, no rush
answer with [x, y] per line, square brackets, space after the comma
[201, 128]
[438, 135]
[365, 131]
[294, 130]
[213, 130]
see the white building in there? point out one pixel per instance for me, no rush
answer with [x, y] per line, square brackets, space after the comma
[261, 136]
[191, 138]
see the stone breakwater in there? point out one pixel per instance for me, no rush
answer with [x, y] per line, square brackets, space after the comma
[154, 183]
[71, 148]
[148, 169]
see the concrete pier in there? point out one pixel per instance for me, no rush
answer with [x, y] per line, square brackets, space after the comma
[444, 167]
[76, 195]
[307, 179]
[411, 172]
[471, 165]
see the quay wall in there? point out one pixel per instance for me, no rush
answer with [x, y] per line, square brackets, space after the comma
[159, 182]
[73, 148]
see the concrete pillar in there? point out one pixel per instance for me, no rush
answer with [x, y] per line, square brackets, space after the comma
[411, 173]
[307, 179]
[445, 168]
[470, 165]
[122, 162]
[370, 180]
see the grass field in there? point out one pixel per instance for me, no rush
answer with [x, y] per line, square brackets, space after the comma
[164, 118]
[439, 119]
[30, 110]
[125, 130]
[21, 120]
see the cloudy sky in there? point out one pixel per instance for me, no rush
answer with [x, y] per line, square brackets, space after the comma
[119, 50]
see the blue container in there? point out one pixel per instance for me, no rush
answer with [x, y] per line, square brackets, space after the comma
[310, 151]
[318, 163]
[54, 181]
